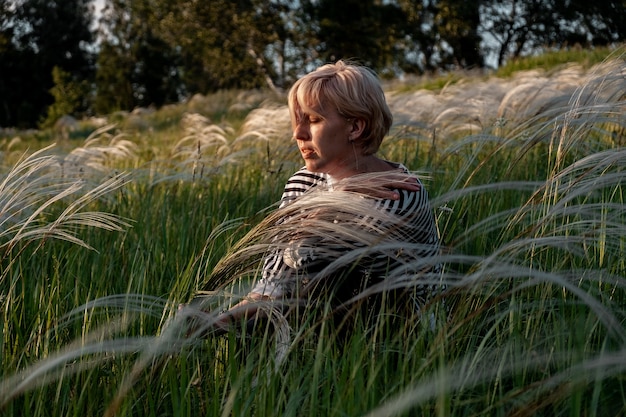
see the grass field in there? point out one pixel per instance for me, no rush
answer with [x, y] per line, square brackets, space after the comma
[104, 233]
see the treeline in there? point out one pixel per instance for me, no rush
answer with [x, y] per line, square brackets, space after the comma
[57, 58]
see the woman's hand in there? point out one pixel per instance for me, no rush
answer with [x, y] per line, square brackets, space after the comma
[383, 185]
[247, 308]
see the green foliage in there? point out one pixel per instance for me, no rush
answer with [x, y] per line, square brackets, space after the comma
[113, 81]
[458, 22]
[136, 68]
[153, 52]
[363, 30]
[520, 28]
[223, 43]
[69, 97]
[41, 35]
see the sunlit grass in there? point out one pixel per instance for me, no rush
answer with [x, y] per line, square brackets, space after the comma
[553, 59]
[526, 177]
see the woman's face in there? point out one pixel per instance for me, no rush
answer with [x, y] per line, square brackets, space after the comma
[323, 137]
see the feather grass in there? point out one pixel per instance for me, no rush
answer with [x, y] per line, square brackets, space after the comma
[533, 220]
[32, 187]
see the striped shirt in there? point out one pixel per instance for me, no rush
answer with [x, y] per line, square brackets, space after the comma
[283, 269]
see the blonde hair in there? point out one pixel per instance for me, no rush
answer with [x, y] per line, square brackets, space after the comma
[354, 91]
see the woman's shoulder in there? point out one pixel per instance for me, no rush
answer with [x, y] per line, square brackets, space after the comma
[398, 166]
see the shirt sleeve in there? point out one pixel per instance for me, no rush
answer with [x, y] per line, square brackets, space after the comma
[278, 277]
[301, 182]
[418, 228]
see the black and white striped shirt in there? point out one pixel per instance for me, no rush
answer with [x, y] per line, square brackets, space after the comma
[413, 225]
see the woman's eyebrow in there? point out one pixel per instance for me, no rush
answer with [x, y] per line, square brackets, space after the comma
[307, 111]
[316, 110]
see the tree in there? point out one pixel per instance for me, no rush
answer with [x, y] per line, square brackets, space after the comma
[160, 51]
[114, 86]
[457, 22]
[592, 22]
[70, 97]
[292, 45]
[9, 66]
[136, 67]
[365, 30]
[222, 42]
[152, 52]
[514, 28]
[420, 43]
[39, 35]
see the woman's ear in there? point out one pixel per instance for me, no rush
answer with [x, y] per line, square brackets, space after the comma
[357, 127]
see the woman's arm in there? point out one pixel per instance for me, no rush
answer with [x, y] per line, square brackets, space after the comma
[247, 309]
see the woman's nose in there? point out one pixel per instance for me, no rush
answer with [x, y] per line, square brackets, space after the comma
[301, 131]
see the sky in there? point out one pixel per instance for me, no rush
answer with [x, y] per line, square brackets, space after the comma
[99, 4]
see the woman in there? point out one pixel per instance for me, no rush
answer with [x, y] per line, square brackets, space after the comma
[339, 118]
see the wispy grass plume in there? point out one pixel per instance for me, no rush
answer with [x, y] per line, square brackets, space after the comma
[30, 191]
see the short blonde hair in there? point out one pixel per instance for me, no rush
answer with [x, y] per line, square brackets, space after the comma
[356, 93]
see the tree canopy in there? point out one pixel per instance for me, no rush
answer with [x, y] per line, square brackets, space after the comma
[152, 52]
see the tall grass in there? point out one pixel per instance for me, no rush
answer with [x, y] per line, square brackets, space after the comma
[526, 179]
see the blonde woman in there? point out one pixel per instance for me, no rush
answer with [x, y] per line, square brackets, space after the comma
[339, 118]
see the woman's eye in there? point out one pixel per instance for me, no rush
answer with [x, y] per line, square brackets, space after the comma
[314, 120]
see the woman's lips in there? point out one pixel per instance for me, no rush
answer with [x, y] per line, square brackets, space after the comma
[307, 152]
